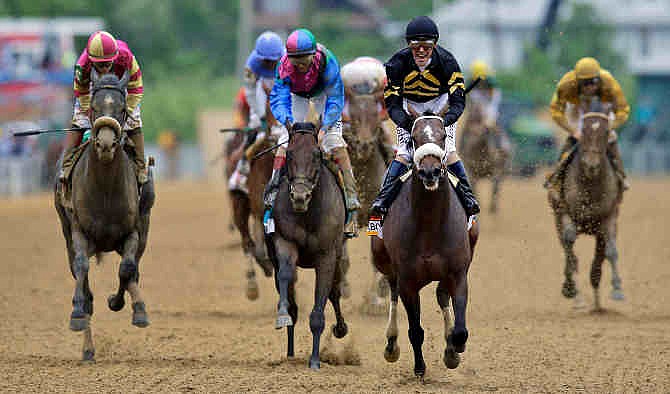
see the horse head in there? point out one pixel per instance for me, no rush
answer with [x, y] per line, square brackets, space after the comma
[593, 143]
[106, 136]
[429, 137]
[303, 161]
[108, 96]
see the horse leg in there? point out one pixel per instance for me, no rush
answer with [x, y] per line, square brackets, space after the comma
[79, 319]
[325, 275]
[451, 358]
[340, 329]
[343, 283]
[287, 255]
[260, 252]
[495, 189]
[411, 301]
[88, 350]
[597, 270]
[458, 289]
[293, 313]
[567, 232]
[612, 256]
[392, 350]
[242, 211]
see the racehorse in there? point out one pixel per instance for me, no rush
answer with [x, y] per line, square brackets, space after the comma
[486, 151]
[106, 213]
[588, 203]
[251, 205]
[309, 217]
[425, 239]
[364, 137]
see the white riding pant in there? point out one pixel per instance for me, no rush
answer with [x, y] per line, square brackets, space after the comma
[405, 144]
[300, 107]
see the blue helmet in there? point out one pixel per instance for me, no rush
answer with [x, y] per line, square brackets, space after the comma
[269, 46]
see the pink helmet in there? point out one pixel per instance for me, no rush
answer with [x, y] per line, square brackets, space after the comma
[102, 47]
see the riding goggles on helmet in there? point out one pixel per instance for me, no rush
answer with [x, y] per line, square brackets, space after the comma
[305, 60]
[426, 45]
[589, 81]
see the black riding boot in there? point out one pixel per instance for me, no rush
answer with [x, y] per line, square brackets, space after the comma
[389, 190]
[463, 189]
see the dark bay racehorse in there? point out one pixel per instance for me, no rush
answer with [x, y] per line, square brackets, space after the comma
[246, 206]
[483, 155]
[588, 203]
[364, 137]
[425, 239]
[106, 213]
[309, 216]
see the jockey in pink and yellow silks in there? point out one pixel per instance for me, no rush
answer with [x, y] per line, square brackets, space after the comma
[106, 54]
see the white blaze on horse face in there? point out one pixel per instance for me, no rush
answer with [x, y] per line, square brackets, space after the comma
[428, 132]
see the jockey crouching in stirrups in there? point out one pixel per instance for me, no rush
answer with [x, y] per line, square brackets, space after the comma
[426, 77]
[259, 76]
[579, 87]
[309, 73]
[107, 55]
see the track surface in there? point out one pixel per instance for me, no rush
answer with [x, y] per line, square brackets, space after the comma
[207, 337]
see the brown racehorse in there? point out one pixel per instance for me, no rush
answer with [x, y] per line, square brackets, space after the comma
[309, 215]
[364, 137]
[426, 240]
[106, 214]
[482, 156]
[588, 203]
[251, 206]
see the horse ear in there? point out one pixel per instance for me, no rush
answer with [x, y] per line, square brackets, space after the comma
[412, 111]
[124, 79]
[444, 110]
[94, 76]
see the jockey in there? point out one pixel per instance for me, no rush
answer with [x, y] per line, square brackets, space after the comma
[427, 77]
[258, 80]
[489, 96]
[107, 55]
[579, 86]
[366, 76]
[309, 73]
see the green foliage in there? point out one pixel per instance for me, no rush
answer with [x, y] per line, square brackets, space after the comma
[175, 104]
[583, 34]
[407, 9]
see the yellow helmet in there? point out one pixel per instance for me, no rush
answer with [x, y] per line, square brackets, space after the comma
[587, 68]
[479, 69]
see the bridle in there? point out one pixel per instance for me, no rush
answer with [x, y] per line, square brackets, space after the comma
[429, 148]
[309, 182]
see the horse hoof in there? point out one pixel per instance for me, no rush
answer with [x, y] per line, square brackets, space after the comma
[617, 295]
[345, 290]
[458, 339]
[283, 321]
[140, 317]
[569, 290]
[252, 291]
[340, 331]
[78, 322]
[392, 351]
[315, 364]
[88, 356]
[451, 358]
[114, 303]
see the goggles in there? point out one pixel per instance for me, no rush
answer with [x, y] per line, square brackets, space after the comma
[590, 81]
[426, 45]
[103, 65]
[304, 61]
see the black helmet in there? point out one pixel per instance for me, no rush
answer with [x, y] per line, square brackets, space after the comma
[421, 28]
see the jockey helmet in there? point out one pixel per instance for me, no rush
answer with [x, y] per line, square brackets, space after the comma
[300, 43]
[587, 68]
[269, 46]
[479, 69]
[421, 28]
[102, 47]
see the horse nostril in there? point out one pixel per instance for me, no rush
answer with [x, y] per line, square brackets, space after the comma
[436, 172]
[422, 173]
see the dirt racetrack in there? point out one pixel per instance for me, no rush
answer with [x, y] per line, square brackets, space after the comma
[206, 336]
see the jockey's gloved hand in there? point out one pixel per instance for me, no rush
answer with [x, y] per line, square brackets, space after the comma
[254, 121]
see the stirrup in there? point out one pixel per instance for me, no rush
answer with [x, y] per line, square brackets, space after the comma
[351, 225]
